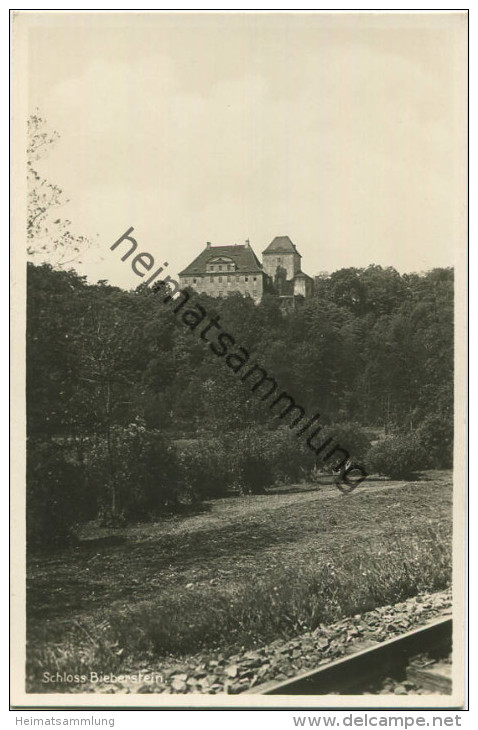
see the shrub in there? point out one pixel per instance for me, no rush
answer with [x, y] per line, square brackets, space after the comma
[349, 436]
[250, 460]
[259, 457]
[138, 472]
[203, 468]
[435, 434]
[292, 460]
[57, 496]
[397, 456]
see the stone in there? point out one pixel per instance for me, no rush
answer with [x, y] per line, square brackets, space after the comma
[251, 659]
[179, 685]
[180, 677]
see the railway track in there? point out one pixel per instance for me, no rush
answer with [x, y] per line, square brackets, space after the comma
[419, 657]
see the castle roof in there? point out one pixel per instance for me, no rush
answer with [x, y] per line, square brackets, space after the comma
[281, 244]
[243, 257]
[302, 275]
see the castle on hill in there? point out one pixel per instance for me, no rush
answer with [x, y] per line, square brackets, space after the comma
[220, 270]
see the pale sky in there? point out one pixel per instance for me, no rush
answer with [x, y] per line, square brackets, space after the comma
[345, 132]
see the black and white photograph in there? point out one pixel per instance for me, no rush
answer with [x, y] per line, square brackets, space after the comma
[239, 281]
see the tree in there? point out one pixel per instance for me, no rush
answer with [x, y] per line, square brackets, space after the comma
[49, 237]
[110, 342]
[56, 397]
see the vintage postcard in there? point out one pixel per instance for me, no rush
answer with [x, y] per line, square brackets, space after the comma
[239, 374]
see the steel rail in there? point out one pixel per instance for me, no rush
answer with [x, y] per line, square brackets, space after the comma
[358, 669]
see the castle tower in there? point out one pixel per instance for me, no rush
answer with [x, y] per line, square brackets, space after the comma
[281, 254]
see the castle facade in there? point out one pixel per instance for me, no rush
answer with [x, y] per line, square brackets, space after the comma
[221, 270]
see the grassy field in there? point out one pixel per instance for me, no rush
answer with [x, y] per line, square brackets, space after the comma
[242, 572]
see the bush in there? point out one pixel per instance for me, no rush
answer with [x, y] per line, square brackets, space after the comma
[57, 495]
[435, 434]
[398, 456]
[259, 458]
[250, 460]
[292, 460]
[203, 468]
[138, 475]
[350, 437]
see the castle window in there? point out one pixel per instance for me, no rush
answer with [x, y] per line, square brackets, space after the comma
[220, 268]
[246, 278]
[255, 278]
[228, 278]
[220, 278]
[194, 281]
[238, 278]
